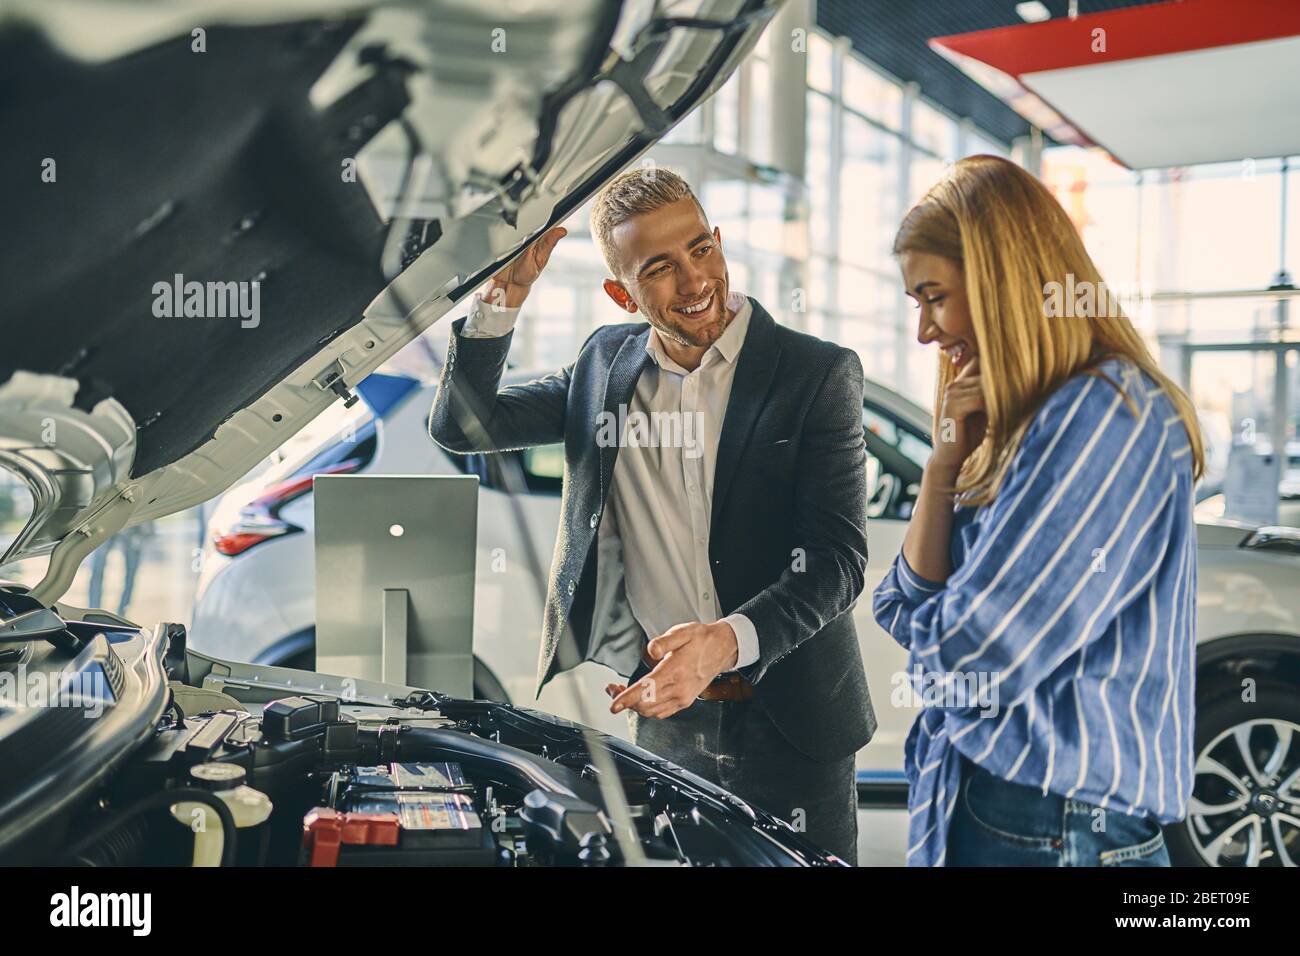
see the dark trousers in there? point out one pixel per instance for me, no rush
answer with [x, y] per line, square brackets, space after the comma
[735, 745]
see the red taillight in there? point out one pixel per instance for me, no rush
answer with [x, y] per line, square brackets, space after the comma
[238, 541]
[286, 491]
[259, 520]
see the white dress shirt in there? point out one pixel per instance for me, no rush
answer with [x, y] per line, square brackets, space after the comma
[661, 494]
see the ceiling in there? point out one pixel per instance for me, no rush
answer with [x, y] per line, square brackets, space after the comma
[1171, 84]
[895, 34]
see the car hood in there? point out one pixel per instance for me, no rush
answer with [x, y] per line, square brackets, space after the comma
[217, 231]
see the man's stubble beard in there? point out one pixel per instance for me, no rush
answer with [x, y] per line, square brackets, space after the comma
[667, 326]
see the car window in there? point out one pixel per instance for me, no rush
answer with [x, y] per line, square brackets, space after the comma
[544, 463]
[543, 468]
[896, 457]
[358, 442]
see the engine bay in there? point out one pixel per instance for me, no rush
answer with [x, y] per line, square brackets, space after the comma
[159, 756]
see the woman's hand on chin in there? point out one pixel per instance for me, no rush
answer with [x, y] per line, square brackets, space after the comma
[962, 420]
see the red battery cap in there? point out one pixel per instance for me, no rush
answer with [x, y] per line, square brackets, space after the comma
[324, 831]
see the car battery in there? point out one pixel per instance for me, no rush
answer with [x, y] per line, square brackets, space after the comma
[433, 804]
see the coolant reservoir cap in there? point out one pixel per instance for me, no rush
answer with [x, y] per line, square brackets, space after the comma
[218, 776]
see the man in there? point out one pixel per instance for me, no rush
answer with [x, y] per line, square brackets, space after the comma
[712, 539]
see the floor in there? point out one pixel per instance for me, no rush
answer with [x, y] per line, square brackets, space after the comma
[882, 837]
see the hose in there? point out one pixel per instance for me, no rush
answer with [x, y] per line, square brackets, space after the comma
[157, 801]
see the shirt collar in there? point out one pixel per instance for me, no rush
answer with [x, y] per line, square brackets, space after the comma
[728, 345]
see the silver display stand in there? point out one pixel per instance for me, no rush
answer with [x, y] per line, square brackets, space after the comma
[395, 579]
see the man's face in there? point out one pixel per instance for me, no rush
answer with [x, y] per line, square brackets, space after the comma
[671, 268]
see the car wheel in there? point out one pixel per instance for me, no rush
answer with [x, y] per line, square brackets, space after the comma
[1245, 806]
[486, 684]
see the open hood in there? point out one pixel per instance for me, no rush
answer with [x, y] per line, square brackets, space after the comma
[222, 216]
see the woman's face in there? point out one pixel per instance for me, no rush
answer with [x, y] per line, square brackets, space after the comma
[937, 286]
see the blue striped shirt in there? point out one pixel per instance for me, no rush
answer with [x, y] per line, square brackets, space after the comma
[1071, 604]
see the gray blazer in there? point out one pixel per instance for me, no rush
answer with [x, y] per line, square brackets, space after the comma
[787, 541]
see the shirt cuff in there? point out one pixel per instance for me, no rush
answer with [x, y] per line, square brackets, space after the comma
[746, 639]
[488, 321]
[914, 587]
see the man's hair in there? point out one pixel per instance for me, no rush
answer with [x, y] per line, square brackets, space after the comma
[629, 194]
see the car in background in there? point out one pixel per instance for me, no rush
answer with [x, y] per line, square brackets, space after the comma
[1212, 502]
[1248, 606]
[255, 596]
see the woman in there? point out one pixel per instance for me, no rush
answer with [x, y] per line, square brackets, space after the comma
[1050, 560]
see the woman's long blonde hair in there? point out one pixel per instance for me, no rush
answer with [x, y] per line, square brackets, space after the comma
[1012, 239]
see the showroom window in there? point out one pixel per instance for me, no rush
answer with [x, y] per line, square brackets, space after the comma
[864, 171]
[816, 249]
[1200, 298]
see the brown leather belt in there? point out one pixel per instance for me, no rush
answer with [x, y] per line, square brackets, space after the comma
[730, 686]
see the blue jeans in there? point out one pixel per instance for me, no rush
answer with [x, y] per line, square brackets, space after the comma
[999, 823]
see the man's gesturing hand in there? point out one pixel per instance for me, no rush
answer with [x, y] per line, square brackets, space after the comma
[689, 656]
[510, 286]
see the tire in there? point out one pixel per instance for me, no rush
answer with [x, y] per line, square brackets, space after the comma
[1256, 805]
[486, 684]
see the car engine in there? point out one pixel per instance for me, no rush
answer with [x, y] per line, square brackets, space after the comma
[166, 757]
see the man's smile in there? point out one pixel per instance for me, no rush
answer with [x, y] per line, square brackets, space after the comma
[698, 308]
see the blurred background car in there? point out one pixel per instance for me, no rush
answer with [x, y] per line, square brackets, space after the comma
[255, 597]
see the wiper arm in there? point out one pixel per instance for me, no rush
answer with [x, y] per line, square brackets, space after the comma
[36, 622]
[30, 625]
